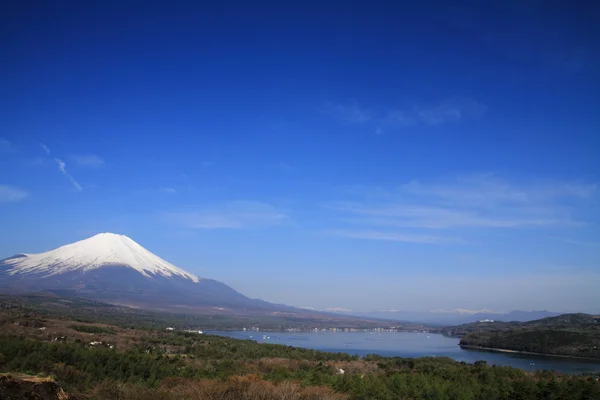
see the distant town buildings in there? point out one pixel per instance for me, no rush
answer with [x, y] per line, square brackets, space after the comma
[186, 330]
[486, 320]
[320, 329]
[390, 329]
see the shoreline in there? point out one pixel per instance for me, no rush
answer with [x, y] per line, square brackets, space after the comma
[527, 353]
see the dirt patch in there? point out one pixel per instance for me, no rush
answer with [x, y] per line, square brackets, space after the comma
[27, 387]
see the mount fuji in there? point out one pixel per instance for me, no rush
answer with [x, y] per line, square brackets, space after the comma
[115, 269]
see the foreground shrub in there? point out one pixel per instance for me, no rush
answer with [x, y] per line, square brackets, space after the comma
[248, 387]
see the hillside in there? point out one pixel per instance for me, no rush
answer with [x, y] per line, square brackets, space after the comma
[76, 308]
[574, 335]
[100, 360]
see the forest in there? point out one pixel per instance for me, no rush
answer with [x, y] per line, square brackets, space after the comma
[90, 372]
[572, 335]
[97, 360]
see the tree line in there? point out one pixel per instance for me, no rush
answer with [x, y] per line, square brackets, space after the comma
[86, 370]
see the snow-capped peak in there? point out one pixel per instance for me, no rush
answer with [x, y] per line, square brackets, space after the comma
[104, 249]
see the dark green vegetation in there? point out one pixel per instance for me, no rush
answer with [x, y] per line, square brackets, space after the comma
[573, 335]
[132, 363]
[80, 369]
[92, 329]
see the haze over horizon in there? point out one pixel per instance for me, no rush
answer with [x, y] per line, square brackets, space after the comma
[369, 157]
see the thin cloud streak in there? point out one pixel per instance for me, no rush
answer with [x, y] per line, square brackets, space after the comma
[88, 160]
[231, 215]
[62, 168]
[11, 194]
[577, 242]
[346, 113]
[487, 189]
[464, 311]
[45, 148]
[394, 237]
[337, 309]
[477, 202]
[451, 110]
[412, 216]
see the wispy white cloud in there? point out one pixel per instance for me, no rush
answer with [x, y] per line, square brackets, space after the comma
[338, 309]
[451, 110]
[465, 311]
[347, 113]
[578, 242]
[62, 168]
[454, 109]
[11, 193]
[6, 146]
[161, 190]
[490, 190]
[88, 160]
[45, 148]
[394, 236]
[430, 217]
[231, 215]
[405, 212]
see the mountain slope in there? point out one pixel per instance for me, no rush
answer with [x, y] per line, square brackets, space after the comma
[104, 249]
[116, 269]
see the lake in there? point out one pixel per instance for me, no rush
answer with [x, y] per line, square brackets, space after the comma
[409, 344]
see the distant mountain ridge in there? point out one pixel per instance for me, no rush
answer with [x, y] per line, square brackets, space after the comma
[561, 321]
[453, 318]
[572, 335]
[116, 269]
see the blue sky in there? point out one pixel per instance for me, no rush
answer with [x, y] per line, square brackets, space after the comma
[369, 156]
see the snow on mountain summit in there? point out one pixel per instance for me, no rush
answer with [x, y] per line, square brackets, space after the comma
[104, 249]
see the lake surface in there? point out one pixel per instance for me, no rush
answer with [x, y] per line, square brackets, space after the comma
[408, 344]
